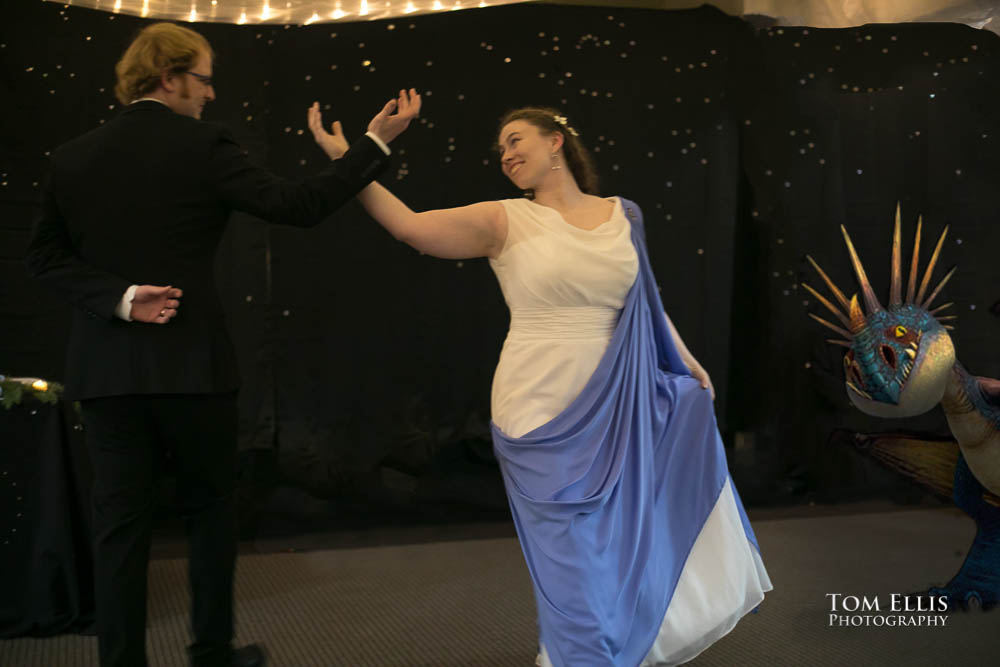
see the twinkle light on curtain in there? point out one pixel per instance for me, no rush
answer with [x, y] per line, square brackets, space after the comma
[815, 13]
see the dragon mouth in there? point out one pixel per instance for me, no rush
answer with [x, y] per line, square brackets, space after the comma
[912, 359]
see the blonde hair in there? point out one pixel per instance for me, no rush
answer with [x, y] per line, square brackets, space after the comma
[157, 48]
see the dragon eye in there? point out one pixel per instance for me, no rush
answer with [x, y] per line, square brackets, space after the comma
[900, 331]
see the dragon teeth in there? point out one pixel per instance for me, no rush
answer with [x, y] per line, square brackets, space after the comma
[860, 391]
[912, 353]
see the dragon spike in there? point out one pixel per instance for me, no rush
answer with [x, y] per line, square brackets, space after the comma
[947, 317]
[842, 343]
[833, 309]
[937, 289]
[942, 307]
[858, 323]
[948, 327]
[911, 288]
[829, 283]
[930, 266]
[871, 301]
[896, 285]
[830, 325]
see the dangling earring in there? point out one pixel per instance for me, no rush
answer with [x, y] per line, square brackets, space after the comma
[555, 161]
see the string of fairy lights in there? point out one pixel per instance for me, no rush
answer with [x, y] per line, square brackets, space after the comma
[827, 14]
[301, 12]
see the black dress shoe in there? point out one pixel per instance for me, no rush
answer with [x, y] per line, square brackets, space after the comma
[249, 656]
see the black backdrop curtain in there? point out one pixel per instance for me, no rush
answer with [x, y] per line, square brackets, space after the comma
[367, 367]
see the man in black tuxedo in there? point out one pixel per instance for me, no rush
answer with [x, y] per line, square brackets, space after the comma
[132, 216]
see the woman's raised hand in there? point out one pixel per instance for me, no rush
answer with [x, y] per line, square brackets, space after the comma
[334, 145]
[387, 125]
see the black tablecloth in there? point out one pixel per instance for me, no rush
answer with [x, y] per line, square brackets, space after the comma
[46, 583]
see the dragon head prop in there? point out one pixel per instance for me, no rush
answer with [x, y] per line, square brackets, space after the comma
[899, 358]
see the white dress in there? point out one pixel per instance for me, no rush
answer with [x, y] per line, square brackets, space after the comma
[565, 287]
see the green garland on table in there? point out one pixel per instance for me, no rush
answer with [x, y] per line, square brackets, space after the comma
[12, 392]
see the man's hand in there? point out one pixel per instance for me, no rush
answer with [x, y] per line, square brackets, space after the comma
[156, 305]
[334, 145]
[387, 127]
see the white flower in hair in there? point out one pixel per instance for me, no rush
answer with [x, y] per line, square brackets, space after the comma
[562, 120]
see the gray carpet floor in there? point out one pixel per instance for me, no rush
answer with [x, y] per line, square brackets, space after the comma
[468, 602]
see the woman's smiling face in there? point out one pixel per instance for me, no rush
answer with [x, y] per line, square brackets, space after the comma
[525, 154]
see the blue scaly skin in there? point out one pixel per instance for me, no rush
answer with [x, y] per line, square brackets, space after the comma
[901, 362]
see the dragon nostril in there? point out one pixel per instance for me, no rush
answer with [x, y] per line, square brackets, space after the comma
[889, 355]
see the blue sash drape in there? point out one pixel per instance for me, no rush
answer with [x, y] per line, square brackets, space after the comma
[609, 496]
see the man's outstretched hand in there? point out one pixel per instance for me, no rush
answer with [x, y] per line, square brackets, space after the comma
[154, 304]
[387, 125]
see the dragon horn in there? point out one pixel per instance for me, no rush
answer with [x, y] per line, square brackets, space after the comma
[914, 265]
[858, 323]
[942, 307]
[842, 343]
[833, 309]
[830, 325]
[937, 289]
[930, 265]
[871, 301]
[897, 278]
[829, 283]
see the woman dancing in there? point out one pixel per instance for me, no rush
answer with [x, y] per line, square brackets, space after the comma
[638, 546]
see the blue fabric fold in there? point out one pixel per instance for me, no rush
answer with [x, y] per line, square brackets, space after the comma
[609, 496]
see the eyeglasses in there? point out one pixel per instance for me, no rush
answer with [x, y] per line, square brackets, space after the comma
[207, 80]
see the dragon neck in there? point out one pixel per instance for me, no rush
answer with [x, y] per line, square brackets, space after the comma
[969, 424]
[956, 394]
[975, 425]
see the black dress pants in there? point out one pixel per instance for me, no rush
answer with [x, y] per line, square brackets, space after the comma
[129, 439]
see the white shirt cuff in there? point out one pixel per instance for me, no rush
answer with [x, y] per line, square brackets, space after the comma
[124, 307]
[381, 144]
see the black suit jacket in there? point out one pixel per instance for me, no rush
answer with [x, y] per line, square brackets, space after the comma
[144, 199]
